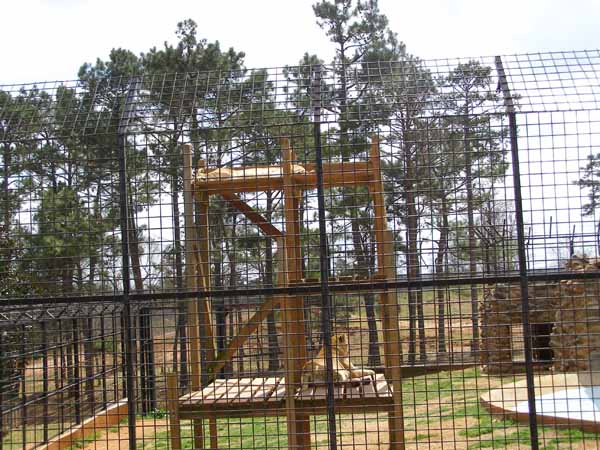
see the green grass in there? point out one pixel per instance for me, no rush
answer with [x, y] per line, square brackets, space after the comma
[158, 413]
[80, 443]
[568, 436]
[255, 433]
[33, 433]
[431, 403]
[455, 396]
[249, 433]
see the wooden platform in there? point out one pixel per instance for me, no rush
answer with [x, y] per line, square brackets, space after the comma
[266, 396]
[265, 178]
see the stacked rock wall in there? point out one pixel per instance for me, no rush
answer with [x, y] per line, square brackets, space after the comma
[571, 309]
[576, 330]
[500, 310]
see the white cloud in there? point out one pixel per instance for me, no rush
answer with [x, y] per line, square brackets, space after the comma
[50, 39]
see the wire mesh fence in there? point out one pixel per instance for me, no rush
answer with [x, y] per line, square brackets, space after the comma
[386, 255]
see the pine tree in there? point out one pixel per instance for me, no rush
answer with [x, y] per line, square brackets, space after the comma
[469, 97]
[360, 34]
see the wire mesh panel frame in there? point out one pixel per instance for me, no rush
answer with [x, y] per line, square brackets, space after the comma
[580, 96]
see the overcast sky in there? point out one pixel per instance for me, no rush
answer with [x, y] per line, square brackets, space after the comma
[50, 39]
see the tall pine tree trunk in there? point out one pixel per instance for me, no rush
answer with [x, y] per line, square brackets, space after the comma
[272, 340]
[94, 257]
[440, 273]
[471, 240]
[217, 236]
[374, 356]
[88, 355]
[365, 269]
[134, 248]
[232, 258]
[6, 200]
[415, 295]
[181, 331]
[138, 282]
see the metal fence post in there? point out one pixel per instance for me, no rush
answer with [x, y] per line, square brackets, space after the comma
[522, 255]
[324, 257]
[127, 114]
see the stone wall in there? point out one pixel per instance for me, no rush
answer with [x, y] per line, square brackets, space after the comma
[500, 310]
[570, 309]
[576, 330]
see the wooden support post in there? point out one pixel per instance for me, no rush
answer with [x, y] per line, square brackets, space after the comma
[385, 261]
[214, 436]
[207, 343]
[282, 280]
[293, 306]
[173, 407]
[191, 266]
[392, 344]
[377, 194]
[191, 284]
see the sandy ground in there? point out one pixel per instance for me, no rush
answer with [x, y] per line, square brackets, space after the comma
[364, 435]
[365, 432]
[118, 438]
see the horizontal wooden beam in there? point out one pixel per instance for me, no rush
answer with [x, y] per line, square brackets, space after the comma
[257, 219]
[278, 408]
[308, 180]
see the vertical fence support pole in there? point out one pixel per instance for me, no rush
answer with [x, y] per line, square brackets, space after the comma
[76, 370]
[46, 375]
[103, 362]
[23, 386]
[323, 258]
[128, 112]
[3, 381]
[522, 256]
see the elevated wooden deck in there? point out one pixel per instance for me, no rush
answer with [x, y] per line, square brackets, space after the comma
[266, 178]
[266, 396]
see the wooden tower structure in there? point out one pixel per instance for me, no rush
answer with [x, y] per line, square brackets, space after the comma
[212, 397]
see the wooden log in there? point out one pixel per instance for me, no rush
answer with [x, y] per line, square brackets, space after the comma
[340, 178]
[262, 223]
[293, 306]
[243, 334]
[377, 194]
[206, 335]
[393, 346]
[173, 407]
[190, 266]
[205, 331]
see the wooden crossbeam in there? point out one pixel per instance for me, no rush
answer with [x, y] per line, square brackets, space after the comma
[243, 334]
[334, 175]
[257, 219]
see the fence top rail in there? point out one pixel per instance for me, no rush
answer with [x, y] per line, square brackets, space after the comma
[540, 82]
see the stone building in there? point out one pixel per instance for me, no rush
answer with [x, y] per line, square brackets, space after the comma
[564, 317]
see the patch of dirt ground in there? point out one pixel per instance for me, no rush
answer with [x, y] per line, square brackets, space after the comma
[117, 438]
